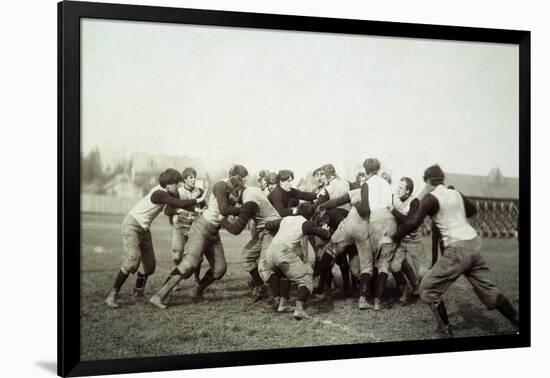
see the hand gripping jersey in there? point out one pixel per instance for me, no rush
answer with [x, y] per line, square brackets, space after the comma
[145, 211]
[267, 212]
[338, 187]
[451, 217]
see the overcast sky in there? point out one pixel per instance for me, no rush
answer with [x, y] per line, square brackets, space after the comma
[279, 99]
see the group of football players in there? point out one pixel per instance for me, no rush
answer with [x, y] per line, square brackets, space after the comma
[364, 228]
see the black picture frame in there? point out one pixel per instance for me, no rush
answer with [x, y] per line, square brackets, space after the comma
[69, 15]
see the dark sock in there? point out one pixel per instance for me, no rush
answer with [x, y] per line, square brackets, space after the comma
[119, 280]
[364, 284]
[354, 283]
[285, 287]
[400, 279]
[256, 279]
[197, 273]
[205, 281]
[141, 280]
[344, 270]
[505, 308]
[303, 293]
[375, 274]
[380, 284]
[325, 266]
[316, 268]
[274, 283]
[409, 272]
[442, 312]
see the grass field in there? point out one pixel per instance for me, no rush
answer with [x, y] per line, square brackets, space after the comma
[227, 321]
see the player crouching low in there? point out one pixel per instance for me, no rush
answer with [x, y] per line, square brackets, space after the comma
[282, 261]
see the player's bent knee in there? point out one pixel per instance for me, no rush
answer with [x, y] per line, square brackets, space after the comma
[130, 268]
[187, 267]
[219, 271]
[428, 296]
[384, 269]
[395, 267]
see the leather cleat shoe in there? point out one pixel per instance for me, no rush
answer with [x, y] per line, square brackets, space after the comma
[299, 314]
[195, 295]
[157, 302]
[445, 331]
[137, 293]
[111, 300]
[377, 304]
[363, 304]
[258, 294]
[283, 307]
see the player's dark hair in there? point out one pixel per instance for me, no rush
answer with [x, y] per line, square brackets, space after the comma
[238, 170]
[169, 176]
[329, 170]
[284, 175]
[434, 175]
[371, 165]
[306, 209]
[409, 183]
[188, 172]
[359, 175]
[234, 184]
[272, 178]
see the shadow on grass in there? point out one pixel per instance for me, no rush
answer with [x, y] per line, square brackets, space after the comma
[473, 316]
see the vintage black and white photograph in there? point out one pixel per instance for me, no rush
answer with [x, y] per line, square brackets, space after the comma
[254, 189]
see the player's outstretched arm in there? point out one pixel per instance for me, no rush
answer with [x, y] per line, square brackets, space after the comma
[428, 207]
[161, 197]
[336, 202]
[413, 208]
[247, 211]
[304, 196]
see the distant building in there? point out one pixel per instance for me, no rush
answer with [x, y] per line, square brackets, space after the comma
[122, 185]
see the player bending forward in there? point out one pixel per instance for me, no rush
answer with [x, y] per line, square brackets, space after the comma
[254, 251]
[449, 209]
[281, 258]
[136, 233]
